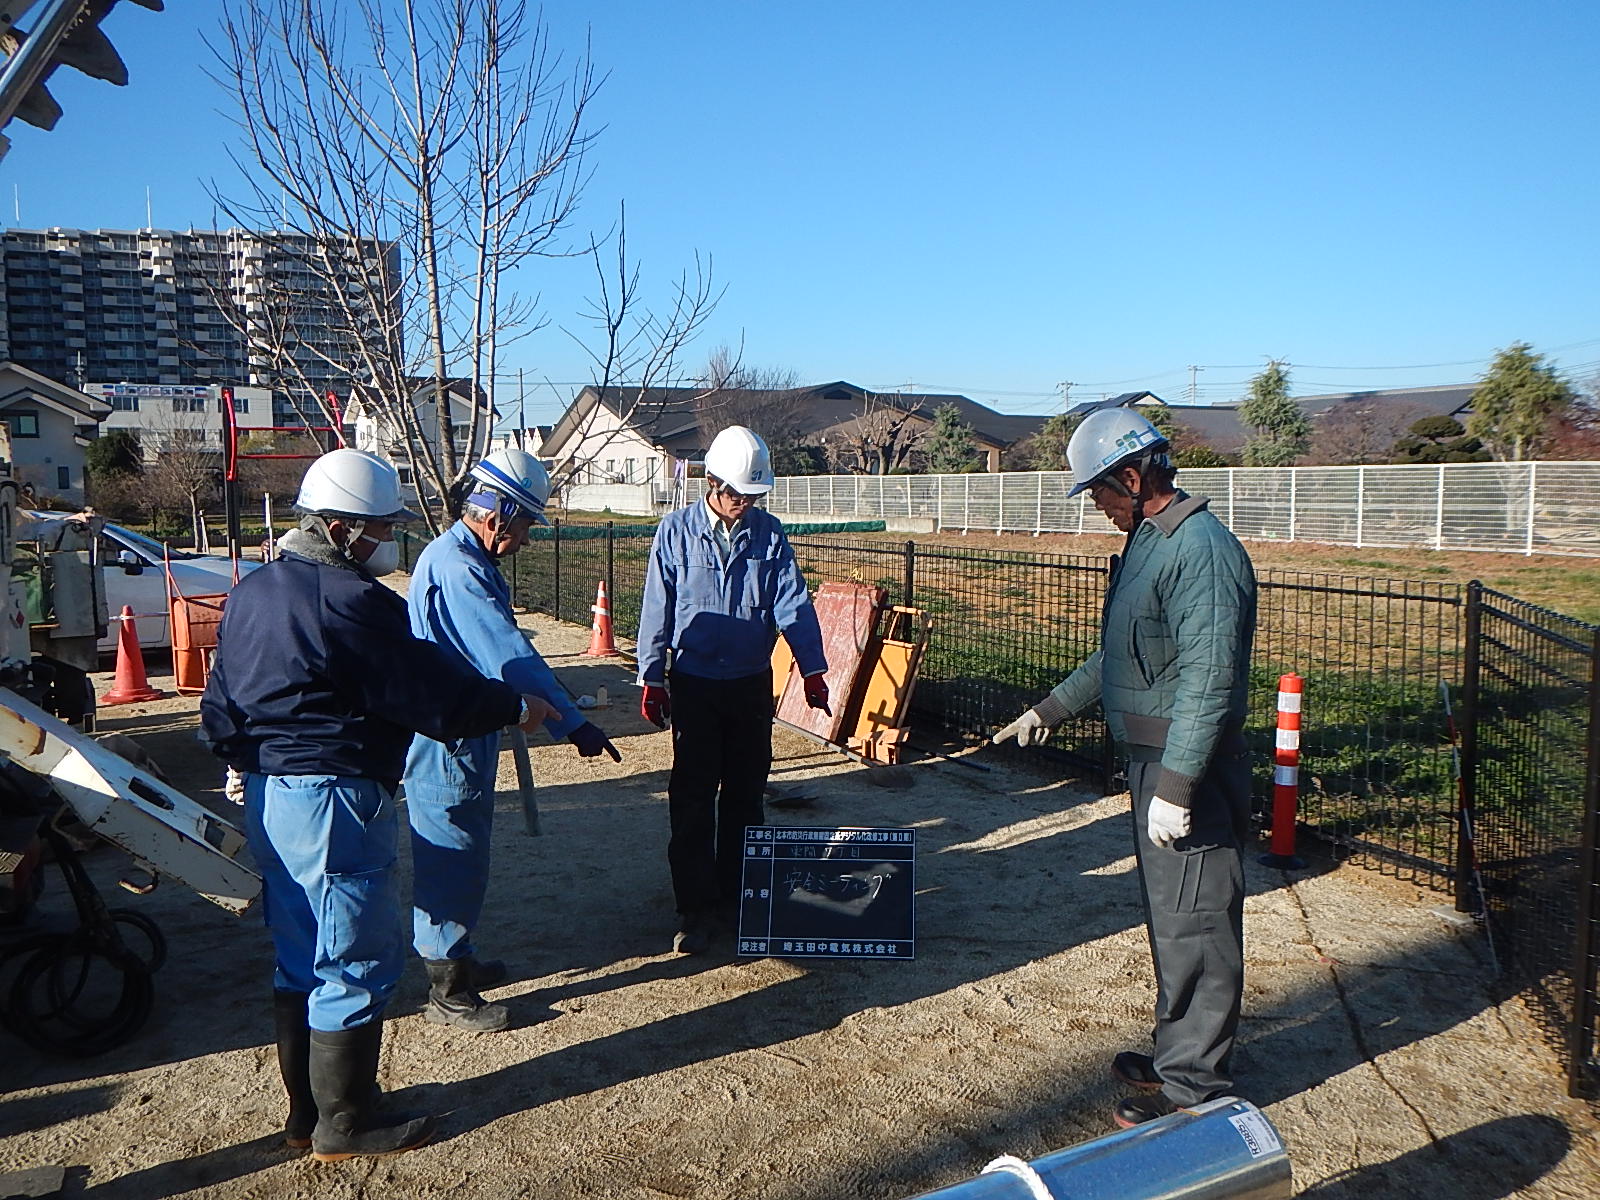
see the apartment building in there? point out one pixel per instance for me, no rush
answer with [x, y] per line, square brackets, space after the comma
[163, 307]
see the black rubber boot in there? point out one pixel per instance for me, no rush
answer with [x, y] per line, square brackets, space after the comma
[1136, 1070]
[294, 1055]
[695, 932]
[485, 973]
[452, 1000]
[344, 1075]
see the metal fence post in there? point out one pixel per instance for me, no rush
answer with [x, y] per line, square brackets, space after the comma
[1583, 974]
[911, 572]
[1438, 512]
[1294, 487]
[1472, 674]
[941, 501]
[1361, 501]
[555, 609]
[1230, 498]
[611, 561]
[1000, 507]
[1533, 476]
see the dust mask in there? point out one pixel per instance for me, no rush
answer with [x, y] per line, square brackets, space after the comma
[384, 558]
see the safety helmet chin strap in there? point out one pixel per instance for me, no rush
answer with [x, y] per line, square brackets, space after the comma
[1142, 464]
[503, 509]
[318, 523]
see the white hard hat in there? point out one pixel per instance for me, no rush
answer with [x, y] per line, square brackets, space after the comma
[353, 483]
[1107, 439]
[741, 460]
[518, 478]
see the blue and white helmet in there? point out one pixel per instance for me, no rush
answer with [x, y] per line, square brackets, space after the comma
[517, 480]
[1110, 438]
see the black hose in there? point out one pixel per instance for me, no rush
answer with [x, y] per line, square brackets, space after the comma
[47, 1002]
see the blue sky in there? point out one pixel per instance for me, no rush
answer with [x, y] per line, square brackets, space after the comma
[995, 199]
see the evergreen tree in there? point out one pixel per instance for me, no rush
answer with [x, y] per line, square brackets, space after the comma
[1438, 439]
[1200, 455]
[1049, 451]
[1283, 432]
[1161, 417]
[1515, 401]
[951, 450]
[114, 453]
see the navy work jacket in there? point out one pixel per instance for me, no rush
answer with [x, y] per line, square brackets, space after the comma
[317, 673]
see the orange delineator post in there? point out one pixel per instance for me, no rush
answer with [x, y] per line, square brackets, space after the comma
[1286, 775]
[130, 684]
[601, 642]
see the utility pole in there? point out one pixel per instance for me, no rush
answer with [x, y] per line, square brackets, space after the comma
[1066, 386]
[522, 413]
[1194, 391]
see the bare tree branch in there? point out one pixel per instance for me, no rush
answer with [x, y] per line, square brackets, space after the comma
[422, 149]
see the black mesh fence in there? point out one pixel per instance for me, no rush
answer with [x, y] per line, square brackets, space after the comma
[1532, 739]
[1384, 663]
[1380, 658]
[1006, 628]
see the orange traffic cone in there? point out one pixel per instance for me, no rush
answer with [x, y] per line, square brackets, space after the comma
[130, 685]
[601, 643]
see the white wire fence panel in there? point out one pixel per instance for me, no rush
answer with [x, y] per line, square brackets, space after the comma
[1526, 508]
[1566, 509]
[1489, 510]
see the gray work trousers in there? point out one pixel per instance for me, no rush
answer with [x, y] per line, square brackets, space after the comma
[1194, 913]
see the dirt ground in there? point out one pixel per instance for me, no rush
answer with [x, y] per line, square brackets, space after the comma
[1371, 1035]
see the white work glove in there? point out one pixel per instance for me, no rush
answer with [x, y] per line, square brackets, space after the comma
[233, 786]
[1029, 730]
[1167, 822]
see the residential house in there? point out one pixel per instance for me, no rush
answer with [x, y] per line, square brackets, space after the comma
[1219, 426]
[528, 438]
[161, 416]
[374, 433]
[50, 424]
[654, 436]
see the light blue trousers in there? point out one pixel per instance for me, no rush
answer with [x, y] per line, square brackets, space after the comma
[326, 847]
[450, 802]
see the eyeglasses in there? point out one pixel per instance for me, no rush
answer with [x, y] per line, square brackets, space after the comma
[728, 493]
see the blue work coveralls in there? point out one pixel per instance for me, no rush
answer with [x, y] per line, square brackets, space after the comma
[719, 620]
[315, 691]
[460, 601]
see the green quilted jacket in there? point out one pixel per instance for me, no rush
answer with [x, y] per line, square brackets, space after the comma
[1173, 666]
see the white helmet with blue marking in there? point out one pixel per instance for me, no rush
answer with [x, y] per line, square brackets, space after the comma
[518, 482]
[1110, 438]
[740, 458]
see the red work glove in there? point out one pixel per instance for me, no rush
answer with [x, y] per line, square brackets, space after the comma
[817, 693]
[654, 706]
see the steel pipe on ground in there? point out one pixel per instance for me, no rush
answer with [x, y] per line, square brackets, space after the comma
[1224, 1149]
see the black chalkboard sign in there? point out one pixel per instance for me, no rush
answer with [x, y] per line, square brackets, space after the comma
[828, 893]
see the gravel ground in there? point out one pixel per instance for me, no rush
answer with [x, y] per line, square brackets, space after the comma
[1371, 1034]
